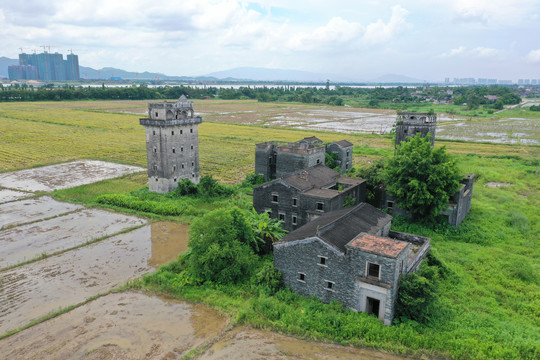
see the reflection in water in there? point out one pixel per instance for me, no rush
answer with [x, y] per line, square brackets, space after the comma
[168, 241]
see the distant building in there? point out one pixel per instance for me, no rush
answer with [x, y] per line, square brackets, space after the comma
[408, 124]
[172, 144]
[46, 67]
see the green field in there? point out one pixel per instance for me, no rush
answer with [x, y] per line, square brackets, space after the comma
[489, 306]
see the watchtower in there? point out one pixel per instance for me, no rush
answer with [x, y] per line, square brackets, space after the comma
[172, 144]
[408, 124]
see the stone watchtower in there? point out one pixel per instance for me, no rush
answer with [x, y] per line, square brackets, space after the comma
[172, 144]
[408, 124]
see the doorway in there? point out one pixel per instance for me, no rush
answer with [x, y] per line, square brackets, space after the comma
[372, 306]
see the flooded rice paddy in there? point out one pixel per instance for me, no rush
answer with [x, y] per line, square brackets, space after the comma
[31, 291]
[63, 232]
[61, 176]
[25, 211]
[127, 325]
[7, 195]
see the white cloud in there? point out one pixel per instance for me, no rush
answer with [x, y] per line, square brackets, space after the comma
[454, 52]
[492, 12]
[339, 32]
[534, 56]
[484, 52]
[381, 32]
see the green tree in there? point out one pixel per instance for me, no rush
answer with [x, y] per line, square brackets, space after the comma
[265, 230]
[421, 179]
[220, 247]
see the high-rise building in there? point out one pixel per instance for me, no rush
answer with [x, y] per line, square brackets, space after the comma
[45, 66]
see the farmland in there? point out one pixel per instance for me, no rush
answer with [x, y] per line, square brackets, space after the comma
[488, 305]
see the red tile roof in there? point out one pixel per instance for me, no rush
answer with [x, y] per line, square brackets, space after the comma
[378, 245]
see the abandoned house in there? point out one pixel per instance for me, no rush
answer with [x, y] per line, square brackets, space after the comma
[408, 124]
[172, 144]
[352, 256]
[274, 159]
[302, 196]
[458, 206]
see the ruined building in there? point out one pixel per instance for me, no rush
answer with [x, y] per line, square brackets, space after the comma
[274, 159]
[306, 194]
[352, 256]
[172, 144]
[408, 124]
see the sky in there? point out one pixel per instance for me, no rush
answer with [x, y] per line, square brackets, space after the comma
[356, 39]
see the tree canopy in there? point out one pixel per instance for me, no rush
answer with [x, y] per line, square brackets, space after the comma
[421, 179]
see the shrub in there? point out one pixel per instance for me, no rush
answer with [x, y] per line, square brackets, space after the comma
[186, 187]
[253, 180]
[220, 250]
[269, 277]
[208, 186]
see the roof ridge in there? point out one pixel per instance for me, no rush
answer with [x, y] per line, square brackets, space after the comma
[323, 229]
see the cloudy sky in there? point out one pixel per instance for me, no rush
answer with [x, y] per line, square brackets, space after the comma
[359, 39]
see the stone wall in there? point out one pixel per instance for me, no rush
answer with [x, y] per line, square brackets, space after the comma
[344, 156]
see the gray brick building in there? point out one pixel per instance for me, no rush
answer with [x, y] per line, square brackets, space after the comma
[408, 124]
[274, 159]
[302, 196]
[352, 256]
[172, 144]
[344, 151]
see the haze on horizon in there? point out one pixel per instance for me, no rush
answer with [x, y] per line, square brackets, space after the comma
[424, 39]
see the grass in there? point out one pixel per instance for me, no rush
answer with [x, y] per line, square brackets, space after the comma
[489, 306]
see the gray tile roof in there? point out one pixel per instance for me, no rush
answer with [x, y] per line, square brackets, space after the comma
[337, 228]
[317, 176]
[343, 143]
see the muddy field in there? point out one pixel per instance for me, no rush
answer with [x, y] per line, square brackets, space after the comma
[61, 176]
[27, 242]
[25, 211]
[7, 195]
[33, 290]
[119, 326]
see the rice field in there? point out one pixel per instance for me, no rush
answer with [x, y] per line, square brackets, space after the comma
[42, 133]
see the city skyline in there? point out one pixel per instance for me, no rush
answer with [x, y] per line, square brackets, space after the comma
[428, 40]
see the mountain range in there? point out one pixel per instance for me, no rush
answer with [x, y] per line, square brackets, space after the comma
[237, 74]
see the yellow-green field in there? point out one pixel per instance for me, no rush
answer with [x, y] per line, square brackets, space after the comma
[35, 134]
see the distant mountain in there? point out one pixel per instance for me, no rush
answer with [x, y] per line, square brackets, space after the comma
[396, 79]
[4, 63]
[264, 74]
[108, 72]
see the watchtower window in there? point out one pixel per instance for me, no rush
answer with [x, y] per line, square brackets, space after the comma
[156, 114]
[172, 132]
[294, 220]
[191, 147]
[318, 161]
[193, 163]
[174, 179]
[173, 150]
[174, 168]
[191, 131]
[182, 166]
[181, 148]
[155, 149]
[373, 270]
[192, 174]
[155, 167]
[181, 132]
[330, 285]
[154, 132]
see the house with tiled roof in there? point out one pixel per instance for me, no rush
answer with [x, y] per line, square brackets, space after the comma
[302, 196]
[352, 256]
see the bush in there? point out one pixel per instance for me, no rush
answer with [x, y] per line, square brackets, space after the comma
[417, 294]
[252, 180]
[134, 203]
[186, 187]
[220, 247]
[269, 277]
[208, 186]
